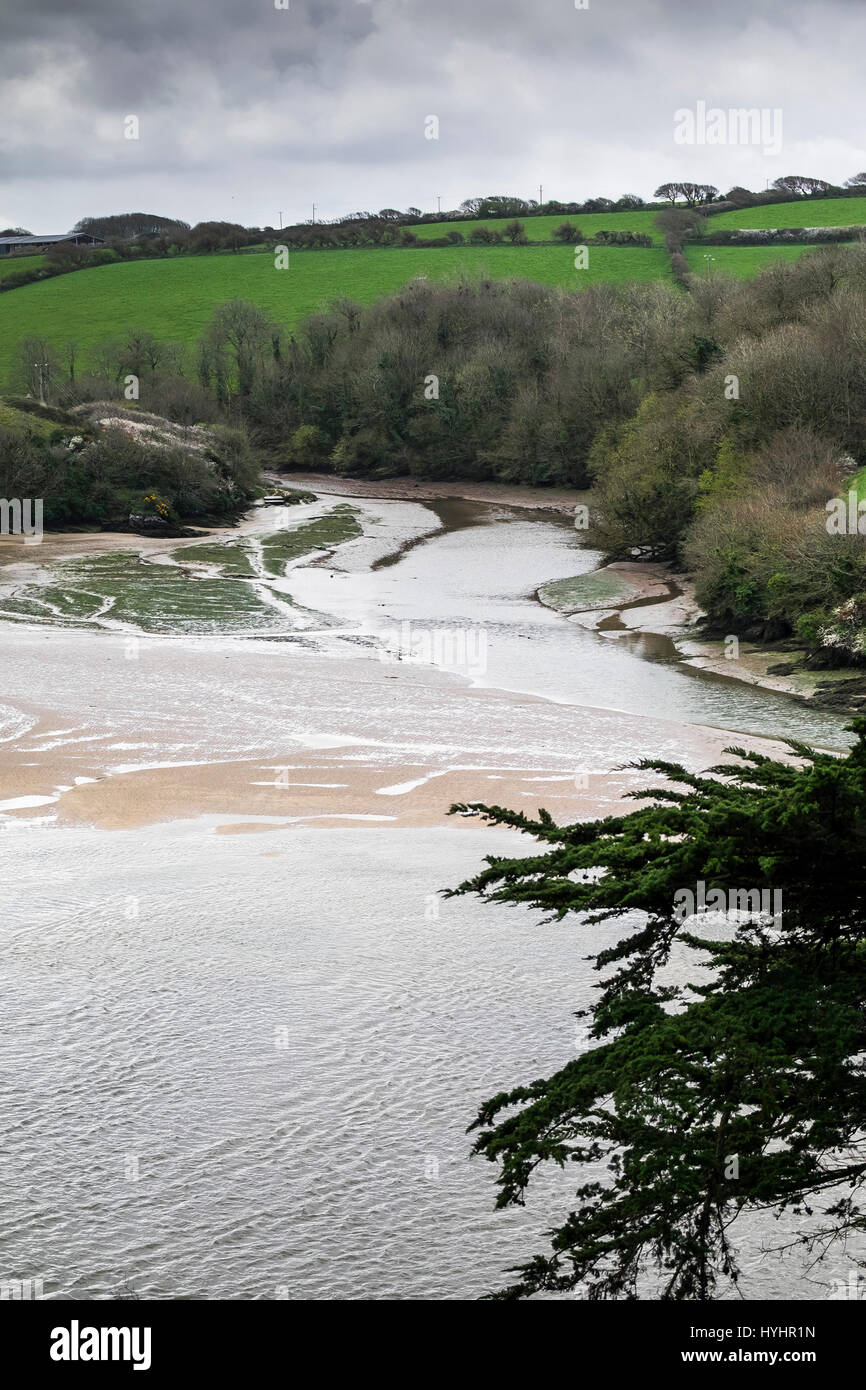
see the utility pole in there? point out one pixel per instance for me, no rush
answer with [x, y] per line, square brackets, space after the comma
[540, 199]
[43, 380]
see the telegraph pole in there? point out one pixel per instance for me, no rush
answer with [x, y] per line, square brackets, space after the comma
[43, 380]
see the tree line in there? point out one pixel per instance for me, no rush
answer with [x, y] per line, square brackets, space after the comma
[133, 235]
[713, 426]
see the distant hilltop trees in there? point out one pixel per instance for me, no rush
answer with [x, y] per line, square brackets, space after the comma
[128, 225]
[391, 227]
[782, 190]
[692, 194]
[704, 195]
[129, 235]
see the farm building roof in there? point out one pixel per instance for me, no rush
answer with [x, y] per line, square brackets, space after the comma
[55, 236]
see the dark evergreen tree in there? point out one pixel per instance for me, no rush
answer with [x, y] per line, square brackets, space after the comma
[744, 1090]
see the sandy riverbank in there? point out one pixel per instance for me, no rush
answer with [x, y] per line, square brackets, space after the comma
[295, 738]
[661, 606]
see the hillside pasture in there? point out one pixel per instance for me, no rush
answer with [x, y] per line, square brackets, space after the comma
[174, 298]
[744, 261]
[10, 263]
[811, 212]
[542, 228]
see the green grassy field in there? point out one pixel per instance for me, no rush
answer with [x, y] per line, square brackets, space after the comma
[542, 228]
[822, 212]
[745, 261]
[10, 263]
[174, 299]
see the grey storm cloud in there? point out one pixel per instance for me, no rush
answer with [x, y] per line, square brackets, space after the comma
[137, 50]
[245, 106]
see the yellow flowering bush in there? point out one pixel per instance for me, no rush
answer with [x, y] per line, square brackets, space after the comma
[156, 503]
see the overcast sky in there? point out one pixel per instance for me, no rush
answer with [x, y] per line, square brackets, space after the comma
[245, 110]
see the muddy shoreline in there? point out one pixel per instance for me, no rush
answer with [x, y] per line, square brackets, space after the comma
[663, 606]
[561, 501]
[663, 610]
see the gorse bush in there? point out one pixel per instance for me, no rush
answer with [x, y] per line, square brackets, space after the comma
[760, 546]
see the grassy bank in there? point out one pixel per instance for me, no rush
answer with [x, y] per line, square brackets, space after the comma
[10, 264]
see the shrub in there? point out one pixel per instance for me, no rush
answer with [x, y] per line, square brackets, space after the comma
[307, 447]
[484, 236]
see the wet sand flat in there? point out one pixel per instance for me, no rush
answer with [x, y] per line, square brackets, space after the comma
[321, 718]
[268, 730]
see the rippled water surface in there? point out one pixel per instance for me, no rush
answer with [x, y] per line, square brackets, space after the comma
[242, 1065]
[235, 1067]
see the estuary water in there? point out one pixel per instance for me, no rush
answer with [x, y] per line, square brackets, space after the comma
[243, 1035]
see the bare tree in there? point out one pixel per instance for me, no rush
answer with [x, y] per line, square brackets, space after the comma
[246, 334]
